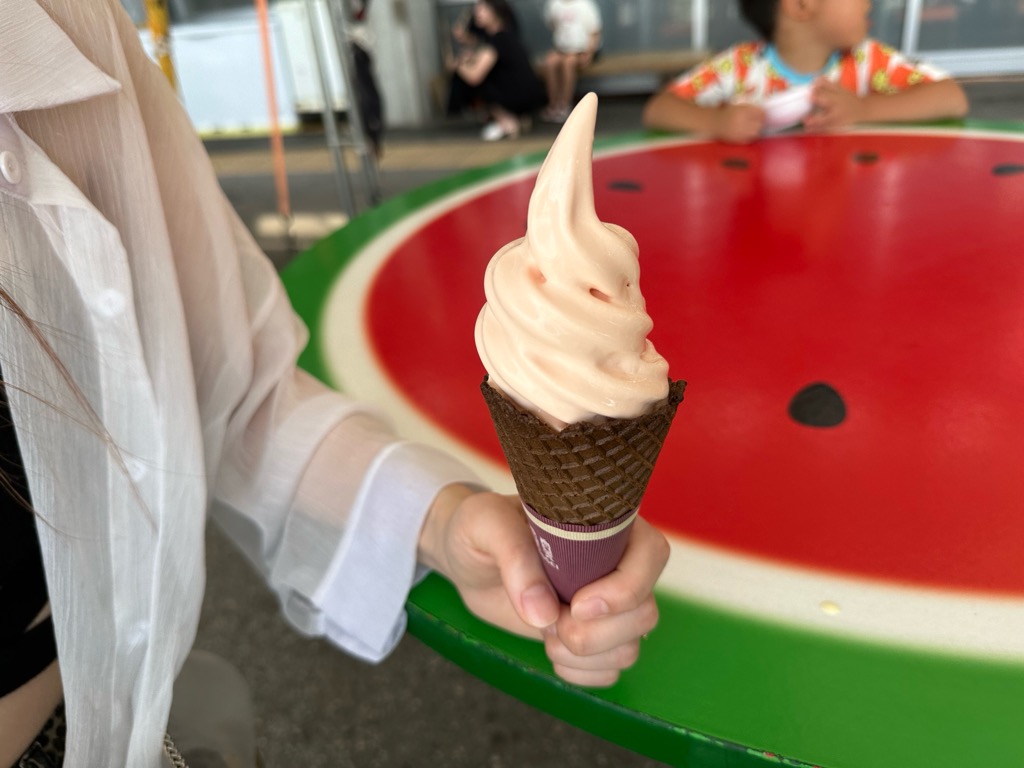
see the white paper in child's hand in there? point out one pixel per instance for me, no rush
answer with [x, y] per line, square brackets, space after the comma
[787, 108]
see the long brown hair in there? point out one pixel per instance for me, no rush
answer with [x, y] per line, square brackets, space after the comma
[92, 420]
[505, 14]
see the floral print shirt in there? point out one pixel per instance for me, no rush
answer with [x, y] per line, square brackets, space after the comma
[753, 70]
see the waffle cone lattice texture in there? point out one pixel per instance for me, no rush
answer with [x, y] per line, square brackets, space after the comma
[589, 473]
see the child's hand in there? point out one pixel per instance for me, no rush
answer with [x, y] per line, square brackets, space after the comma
[738, 123]
[834, 107]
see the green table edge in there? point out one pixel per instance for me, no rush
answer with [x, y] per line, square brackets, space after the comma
[516, 665]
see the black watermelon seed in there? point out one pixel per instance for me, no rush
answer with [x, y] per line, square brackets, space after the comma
[1008, 169]
[626, 186]
[817, 405]
[865, 158]
[735, 162]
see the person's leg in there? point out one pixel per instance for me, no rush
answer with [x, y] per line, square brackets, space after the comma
[551, 69]
[47, 748]
[461, 96]
[371, 111]
[570, 66]
[553, 82]
[561, 71]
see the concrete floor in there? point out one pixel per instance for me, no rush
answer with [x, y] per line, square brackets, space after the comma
[318, 708]
[315, 706]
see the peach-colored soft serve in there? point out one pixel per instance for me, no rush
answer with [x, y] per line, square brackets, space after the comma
[563, 332]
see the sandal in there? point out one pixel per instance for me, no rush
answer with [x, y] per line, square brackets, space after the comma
[497, 131]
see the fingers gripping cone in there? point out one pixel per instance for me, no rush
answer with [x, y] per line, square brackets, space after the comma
[580, 400]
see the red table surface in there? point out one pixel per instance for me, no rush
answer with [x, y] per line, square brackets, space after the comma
[885, 266]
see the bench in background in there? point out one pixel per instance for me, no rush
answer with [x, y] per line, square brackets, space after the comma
[663, 64]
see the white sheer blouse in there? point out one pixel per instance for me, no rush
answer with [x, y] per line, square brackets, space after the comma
[177, 392]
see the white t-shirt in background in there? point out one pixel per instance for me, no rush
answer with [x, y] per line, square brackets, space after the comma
[573, 23]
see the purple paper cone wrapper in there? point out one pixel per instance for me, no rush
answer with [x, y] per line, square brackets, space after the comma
[575, 555]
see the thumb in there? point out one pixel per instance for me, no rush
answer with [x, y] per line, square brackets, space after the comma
[538, 605]
[524, 579]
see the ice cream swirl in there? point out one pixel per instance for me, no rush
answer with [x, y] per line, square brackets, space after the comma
[563, 332]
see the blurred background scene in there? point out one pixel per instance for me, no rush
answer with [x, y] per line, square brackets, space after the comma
[216, 52]
[344, 154]
[330, 161]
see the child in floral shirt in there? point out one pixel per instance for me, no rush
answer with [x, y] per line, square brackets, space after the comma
[818, 44]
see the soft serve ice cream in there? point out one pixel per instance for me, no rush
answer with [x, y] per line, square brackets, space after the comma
[564, 330]
[580, 400]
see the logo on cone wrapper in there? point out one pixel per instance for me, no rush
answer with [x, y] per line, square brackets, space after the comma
[544, 547]
[575, 555]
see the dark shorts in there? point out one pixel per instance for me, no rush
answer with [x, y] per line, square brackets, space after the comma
[47, 748]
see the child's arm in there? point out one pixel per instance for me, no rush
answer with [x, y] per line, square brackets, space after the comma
[733, 123]
[836, 107]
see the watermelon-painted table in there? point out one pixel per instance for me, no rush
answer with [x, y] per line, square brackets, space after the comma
[844, 485]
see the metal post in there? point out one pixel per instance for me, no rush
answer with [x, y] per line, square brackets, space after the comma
[339, 25]
[284, 205]
[700, 19]
[645, 26]
[341, 177]
[911, 27]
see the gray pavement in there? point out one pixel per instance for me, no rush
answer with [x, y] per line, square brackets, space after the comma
[314, 705]
[318, 708]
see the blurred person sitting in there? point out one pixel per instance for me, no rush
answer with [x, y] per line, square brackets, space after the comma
[576, 37]
[818, 44]
[494, 72]
[371, 106]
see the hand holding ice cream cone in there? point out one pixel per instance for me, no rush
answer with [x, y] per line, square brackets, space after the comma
[482, 544]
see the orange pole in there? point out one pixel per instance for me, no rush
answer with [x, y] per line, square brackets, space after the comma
[284, 206]
[160, 28]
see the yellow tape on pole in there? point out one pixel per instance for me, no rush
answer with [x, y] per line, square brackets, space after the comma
[159, 21]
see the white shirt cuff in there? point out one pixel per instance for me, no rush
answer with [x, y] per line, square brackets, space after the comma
[362, 596]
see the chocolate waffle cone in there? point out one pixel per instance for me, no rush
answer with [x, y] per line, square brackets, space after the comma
[589, 473]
